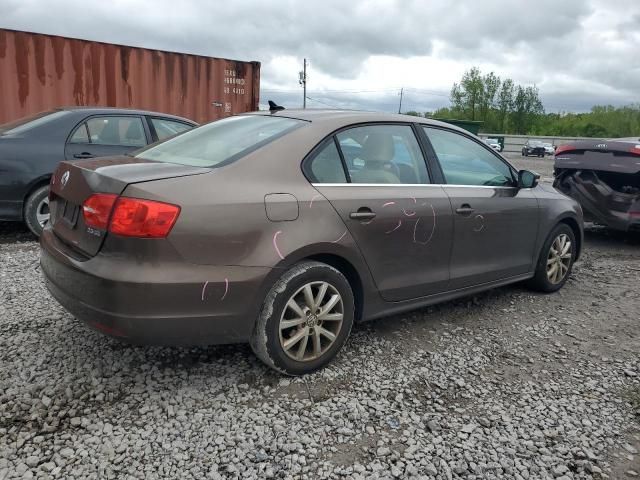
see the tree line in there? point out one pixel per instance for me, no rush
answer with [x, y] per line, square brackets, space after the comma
[506, 107]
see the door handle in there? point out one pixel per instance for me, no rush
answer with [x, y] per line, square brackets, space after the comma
[465, 209]
[83, 155]
[363, 213]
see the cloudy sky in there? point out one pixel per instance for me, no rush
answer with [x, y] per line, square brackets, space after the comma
[578, 52]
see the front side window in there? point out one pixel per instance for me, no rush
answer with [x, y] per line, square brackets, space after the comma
[383, 154]
[221, 141]
[123, 131]
[326, 166]
[168, 128]
[465, 162]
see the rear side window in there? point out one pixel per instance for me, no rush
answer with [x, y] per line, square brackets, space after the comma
[124, 131]
[465, 162]
[168, 128]
[383, 154]
[81, 135]
[221, 142]
[326, 166]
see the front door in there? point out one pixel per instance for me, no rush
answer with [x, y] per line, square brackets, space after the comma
[495, 223]
[104, 136]
[402, 224]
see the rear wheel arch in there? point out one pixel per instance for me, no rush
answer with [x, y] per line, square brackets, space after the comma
[35, 185]
[350, 272]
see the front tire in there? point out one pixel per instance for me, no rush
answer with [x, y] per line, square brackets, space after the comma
[36, 210]
[555, 261]
[305, 319]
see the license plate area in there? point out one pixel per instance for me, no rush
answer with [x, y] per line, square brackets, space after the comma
[70, 213]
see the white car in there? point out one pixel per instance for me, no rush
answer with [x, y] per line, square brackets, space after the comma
[493, 143]
[548, 149]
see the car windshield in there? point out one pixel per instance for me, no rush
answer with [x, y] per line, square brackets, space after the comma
[535, 143]
[492, 140]
[27, 123]
[222, 141]
[546, 144]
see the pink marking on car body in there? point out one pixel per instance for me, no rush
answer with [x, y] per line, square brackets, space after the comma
[204, 287]
[313, 198]
[226, 288]
[414, 199]
[408, 214]
[275, 244]
[341, 237]
[433, 229]
[387, 204]
[397, 227]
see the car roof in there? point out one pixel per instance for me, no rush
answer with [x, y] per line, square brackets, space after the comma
[343, 118]
[129, 111]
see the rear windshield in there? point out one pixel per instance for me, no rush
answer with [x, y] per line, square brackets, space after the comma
[220, 142]
[27, 123]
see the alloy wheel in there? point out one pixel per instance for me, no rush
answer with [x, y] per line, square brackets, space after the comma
[559, 258]
[42, 212]
[311, 321]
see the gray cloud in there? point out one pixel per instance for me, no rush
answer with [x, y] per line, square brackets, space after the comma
[578, 52]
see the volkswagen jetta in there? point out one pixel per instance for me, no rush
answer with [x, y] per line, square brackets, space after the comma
[283, 228]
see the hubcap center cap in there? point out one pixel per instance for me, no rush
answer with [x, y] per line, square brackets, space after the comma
[312, 320]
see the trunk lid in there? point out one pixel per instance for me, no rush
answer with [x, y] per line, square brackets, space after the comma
[599, 155]
[73, 182]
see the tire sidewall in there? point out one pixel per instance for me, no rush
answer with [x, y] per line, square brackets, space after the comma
[266, 339]
[30, 208]
[541, 270]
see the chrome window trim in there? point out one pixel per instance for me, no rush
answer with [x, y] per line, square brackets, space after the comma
[402, 185]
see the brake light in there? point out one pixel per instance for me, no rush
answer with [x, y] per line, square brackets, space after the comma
[635, 149]
[134, 217]
[634, 214]
[97, 208]
[563, 148]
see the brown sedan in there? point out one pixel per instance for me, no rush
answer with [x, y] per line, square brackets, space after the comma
[284, 228]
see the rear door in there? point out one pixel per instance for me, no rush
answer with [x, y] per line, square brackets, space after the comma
[376, 178]
[495, 223]
[106, 135]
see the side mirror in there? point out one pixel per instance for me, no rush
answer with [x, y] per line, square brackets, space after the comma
[527, 179]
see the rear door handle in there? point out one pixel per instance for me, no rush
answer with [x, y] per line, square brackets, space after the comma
[363, 213]
[465, 210]
[83, 155]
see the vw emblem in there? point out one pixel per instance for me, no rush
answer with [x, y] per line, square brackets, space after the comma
[64, 179]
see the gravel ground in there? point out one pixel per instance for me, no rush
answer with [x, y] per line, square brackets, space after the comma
[504, 385]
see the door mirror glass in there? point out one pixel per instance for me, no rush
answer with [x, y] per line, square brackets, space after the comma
[527, 179]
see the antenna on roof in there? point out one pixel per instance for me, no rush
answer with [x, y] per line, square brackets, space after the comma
[273, 107]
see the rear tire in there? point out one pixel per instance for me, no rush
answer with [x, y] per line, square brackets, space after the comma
[305, 338]
[555, 260]
[36, 210]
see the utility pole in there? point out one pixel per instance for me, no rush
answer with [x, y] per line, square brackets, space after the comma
[303, 82]
[400, 106]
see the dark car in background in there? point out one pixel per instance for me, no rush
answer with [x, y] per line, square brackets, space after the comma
[533, 147]
[32, 147]
[283, 228]
[604, 177]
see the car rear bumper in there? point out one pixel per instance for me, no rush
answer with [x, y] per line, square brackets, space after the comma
[161, 303]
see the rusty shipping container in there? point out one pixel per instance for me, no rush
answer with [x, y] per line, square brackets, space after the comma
[40, 72]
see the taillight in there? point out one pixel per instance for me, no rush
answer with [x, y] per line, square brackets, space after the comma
[563, 148]
[97, 208]
[635, 149]
[134, 217]
[634, 215]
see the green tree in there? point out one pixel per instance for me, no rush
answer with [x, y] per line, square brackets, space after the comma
[467, 96]
[505, 103]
